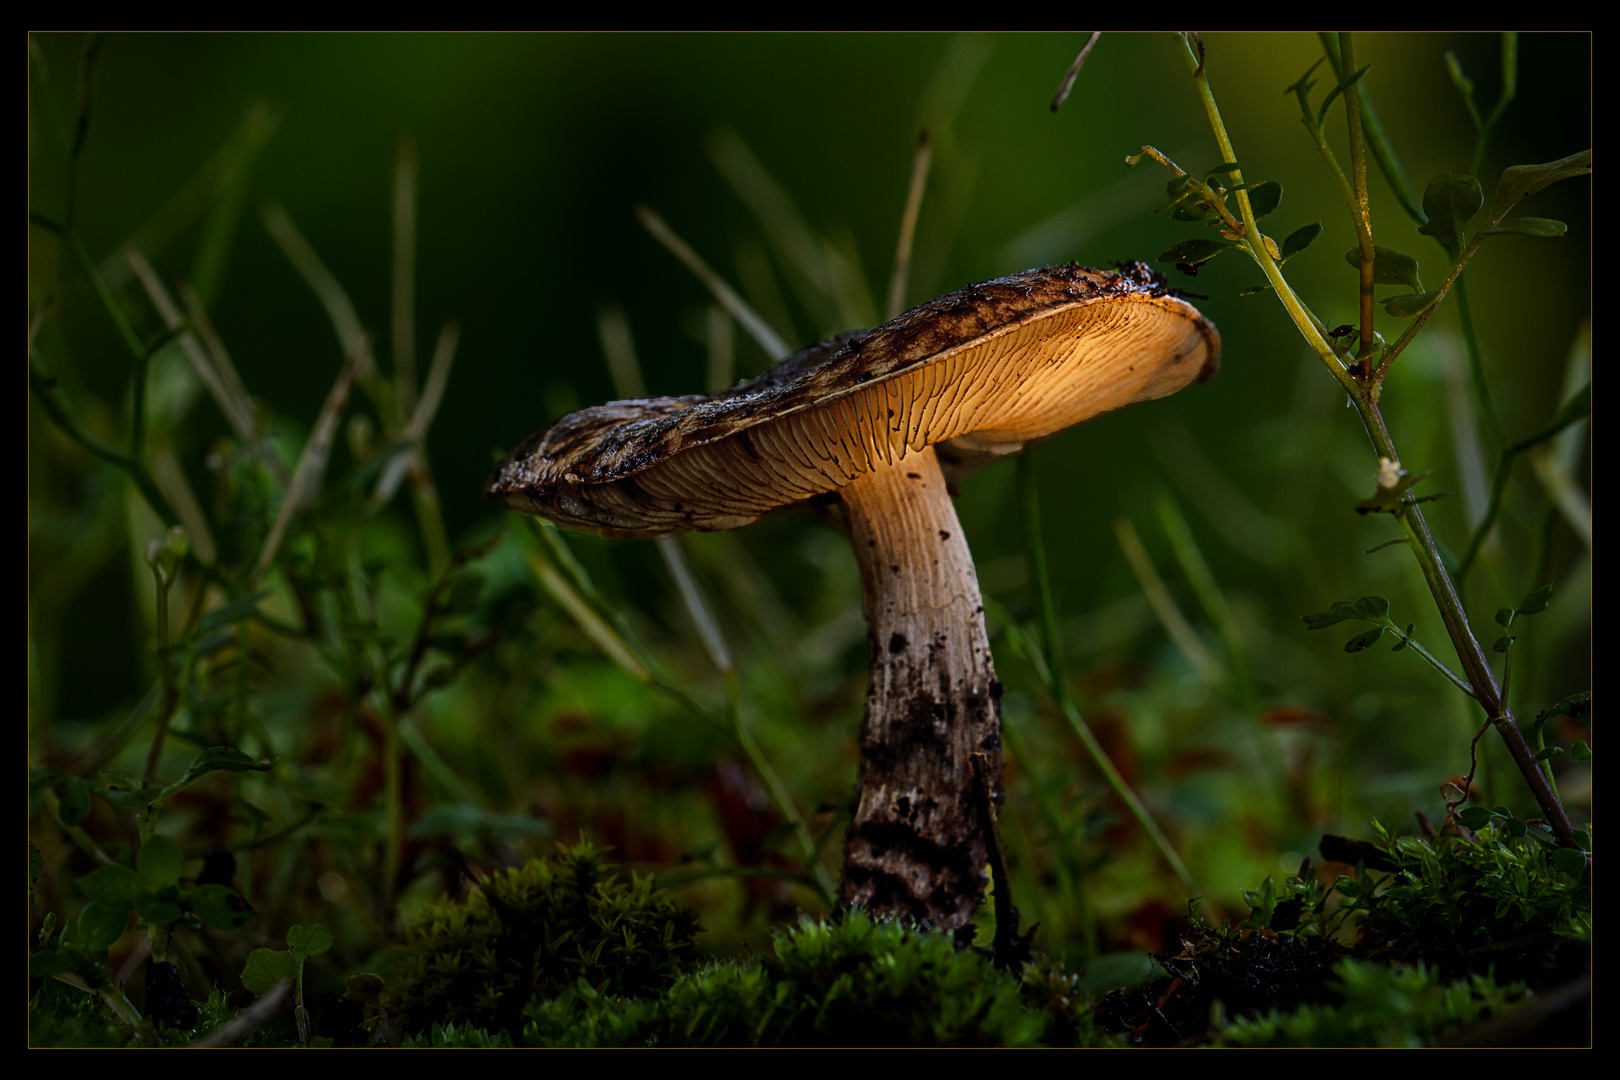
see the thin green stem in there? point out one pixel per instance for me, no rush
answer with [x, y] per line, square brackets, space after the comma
[1046, 804]
[1476, 365]
[1307, 324]
[1052, 675]
[44, 392]
[1423, 317]
[1378, 142]
[1362, 206]
[1035, 551]
[1510, 90]
[171, 690]
[1099, 757]
[1433, 661]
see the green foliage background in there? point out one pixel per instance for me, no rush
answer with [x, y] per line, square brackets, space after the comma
[533, 150]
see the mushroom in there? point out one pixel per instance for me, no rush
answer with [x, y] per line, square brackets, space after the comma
[978, 373]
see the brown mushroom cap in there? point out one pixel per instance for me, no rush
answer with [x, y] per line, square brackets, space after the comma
[991, 367]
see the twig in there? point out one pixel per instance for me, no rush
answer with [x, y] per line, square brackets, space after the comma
[1067, 84]
[757, 327]
[1464, 793]
[312, 462]
[246, 1020]
[339, 308]
[427, 407]
[238, 412]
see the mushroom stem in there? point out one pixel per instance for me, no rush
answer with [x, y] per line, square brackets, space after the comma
[918, 844]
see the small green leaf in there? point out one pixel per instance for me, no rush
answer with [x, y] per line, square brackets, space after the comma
[101, 925]
[74, 806]
[1536, 602]
[1371, 608]
[36, 864]
[1475, 817]
[1581, 751]
[115, 886]
[1198, 206]
[1582, 840]
[308, 941]
[1569, 861]
[1515, 827]
[1504, 617]
[157, 910]
[266, 968]
[1577, 706]
[1300, 239]
[1254, 290]
[1115, 971]
[160, 863]
[1410, 305]
[219, 907]
[1451, 201]
[1264, 197]
[1503, 643]
[1390, 267]
[1365, 641]
[1529, 226]
[1520, 181]
[1193, 252]
[224, 759]
[1225, 168]
[1549, 753]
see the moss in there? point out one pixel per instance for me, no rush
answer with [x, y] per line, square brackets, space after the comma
[1379, 1006]
[535, 931]
[855, 982]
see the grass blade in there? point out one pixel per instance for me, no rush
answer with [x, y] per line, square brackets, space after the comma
[908, 227]
[757, 327]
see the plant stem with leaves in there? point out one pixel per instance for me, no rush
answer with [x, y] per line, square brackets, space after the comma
[1364, 394]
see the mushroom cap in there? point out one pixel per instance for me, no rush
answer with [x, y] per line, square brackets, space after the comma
[986, 369]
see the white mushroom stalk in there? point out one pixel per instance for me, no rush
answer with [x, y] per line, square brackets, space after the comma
[981, 372]
[930, 744]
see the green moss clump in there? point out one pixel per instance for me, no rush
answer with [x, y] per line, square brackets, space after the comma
[1504, 901]
[536, 931]
[851, 983]
[1380, 1006]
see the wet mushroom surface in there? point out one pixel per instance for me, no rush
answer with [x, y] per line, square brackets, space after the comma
[979, 373]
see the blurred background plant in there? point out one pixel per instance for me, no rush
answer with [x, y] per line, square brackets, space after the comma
[290, 296]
